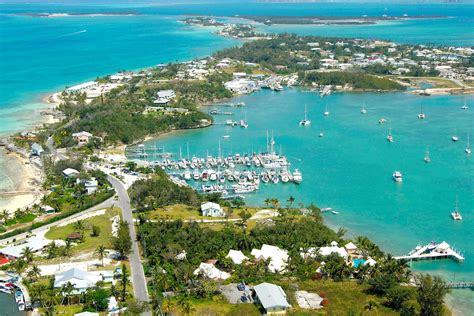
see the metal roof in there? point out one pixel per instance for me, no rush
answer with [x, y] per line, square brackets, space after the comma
[271, 296]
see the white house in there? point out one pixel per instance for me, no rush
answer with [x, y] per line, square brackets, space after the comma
[36, 149]
[210, 271]
[326, 251]
[212, 209]
[82, 137]
[236, 256]
[278, 257]
[70, 173]
[90, 184]
[272, 298]
[33, 243]
[164, 96]
[80, 279]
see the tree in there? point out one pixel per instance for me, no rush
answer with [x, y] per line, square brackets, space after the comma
[371, 305]
[124, 279]
[4, 215]
[135, 307]
[291, 200]
[80, 226]
[95, 231]
[122, 243]
[66, 291]
[245, 216]
[397, 296]
[381, 284]
[27, 254]
[34, 273]
[101, 252]
[430, 294]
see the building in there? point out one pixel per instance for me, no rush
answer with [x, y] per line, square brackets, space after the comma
[237, 256]
[241, 85]
[82, 137]
[33, 243]
[80, 279]
[209, 271]
[272, 298]
[164, 96]
[326, 251]
[91, 185]
[212, 209]
[36, 149]
[82, 87]
[70, 173]
[278, 257]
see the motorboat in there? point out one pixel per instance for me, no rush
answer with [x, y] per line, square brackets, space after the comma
[321, 134]
[454, 138]
[390, 136]
[397, 176]
[297, 176]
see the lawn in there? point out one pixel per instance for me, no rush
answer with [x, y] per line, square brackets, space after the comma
[21, 220]
[185, 212]
[90, 243]
[343, 297]
[218, 306]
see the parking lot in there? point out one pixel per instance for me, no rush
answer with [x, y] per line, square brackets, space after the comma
[234, 295]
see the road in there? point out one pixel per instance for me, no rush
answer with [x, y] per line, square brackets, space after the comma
[107, 203]
[138, 275]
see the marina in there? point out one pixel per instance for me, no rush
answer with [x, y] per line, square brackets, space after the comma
[433, 251]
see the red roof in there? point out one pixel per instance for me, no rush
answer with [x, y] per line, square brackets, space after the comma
[3, 261]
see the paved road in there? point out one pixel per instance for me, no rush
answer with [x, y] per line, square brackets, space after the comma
[138, 275]
[105, 204]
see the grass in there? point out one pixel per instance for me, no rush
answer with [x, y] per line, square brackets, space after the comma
[437, 82]
[27, 218]
[90, 243]
[343, 297]
[219, 306]
[186, 212]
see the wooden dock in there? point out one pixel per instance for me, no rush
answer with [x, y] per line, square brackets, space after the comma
[460, 285]
[433, 251]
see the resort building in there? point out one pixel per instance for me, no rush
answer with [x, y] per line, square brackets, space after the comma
[82, 137]
[326, 251]
[209, 271]
[278, 257]
[212, 209]
[237, 256]
[272, 298]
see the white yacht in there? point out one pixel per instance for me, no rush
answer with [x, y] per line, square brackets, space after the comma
[427, 158]
[422, 114]
[455, 214]
[326, 112]
[297, 176]
[454, 138]
[397, 176]
[305, 121]
[363, 110]
[321, 134]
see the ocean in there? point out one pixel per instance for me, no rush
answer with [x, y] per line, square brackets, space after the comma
[42, 55]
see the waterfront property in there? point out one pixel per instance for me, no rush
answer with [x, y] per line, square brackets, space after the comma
[212, 209]
[433, 251]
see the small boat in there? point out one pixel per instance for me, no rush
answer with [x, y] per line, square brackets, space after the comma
[454, 138]
[321, 134]
[326, 112]
[397, 176]
[427, 158]
[305, 121]
[196, 176]
[468, 149]
[265, 178]
[226, 136]
[465, 107]
[213, 176]
[275, 179]
[390, 136]
[335, 212]
[187, 175]
[455, 214]
[363, 110]
[382, 120]
[222, 179]
[421, 115]
[297, 176]
[326, 209]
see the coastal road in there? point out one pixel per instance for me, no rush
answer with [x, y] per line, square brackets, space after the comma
[138, 275]
[105, 204]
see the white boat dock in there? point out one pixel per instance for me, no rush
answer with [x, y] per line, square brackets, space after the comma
[433, 251]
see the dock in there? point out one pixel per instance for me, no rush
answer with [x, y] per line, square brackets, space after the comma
[433, 251]
[460, 285]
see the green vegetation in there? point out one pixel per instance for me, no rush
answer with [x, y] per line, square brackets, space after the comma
[122, 243]
[357, 80]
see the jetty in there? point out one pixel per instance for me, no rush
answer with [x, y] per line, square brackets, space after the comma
[460, 285]
[433, 251]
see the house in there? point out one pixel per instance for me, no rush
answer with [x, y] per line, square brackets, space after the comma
[36, 149]
[48, 209]
[91, 185]
[164, 96]
[272, 298]
[278, 257]
[236, 256]
[82, 137]
[326, 251]
[351, 248]
[80, 279]
[33, 243]
[209, 271]
[212, 209]
[241, 86]
[70, 173]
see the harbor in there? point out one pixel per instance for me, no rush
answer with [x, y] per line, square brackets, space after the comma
[230, 175]
[12, 285]
[433, 251]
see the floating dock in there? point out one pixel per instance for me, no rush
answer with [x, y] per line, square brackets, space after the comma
[433, 251]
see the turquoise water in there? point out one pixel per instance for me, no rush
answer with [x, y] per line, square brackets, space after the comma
[350, 168]
[8, 306]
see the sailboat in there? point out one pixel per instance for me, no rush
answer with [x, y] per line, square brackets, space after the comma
[468, 149]
[427, 158]
[305, 121]
[421, 115]
[326, 112]
[465, 107]
[244, 123]
[363, 110]
[455, 138]
[456, 215]
[389, 136]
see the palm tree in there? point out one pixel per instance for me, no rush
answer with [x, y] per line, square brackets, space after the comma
[101, 252]
[51, 249]
[80, 227]
[291, 200]
[267, 202]
[66, 290]
[34, 273]
[27, 254]
[275, 202]
[4, 215]
[371, 306]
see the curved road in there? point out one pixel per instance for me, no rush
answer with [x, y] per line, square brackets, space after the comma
[138, 275]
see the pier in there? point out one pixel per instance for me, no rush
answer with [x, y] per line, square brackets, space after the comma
[433, 251]
[460, 285]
